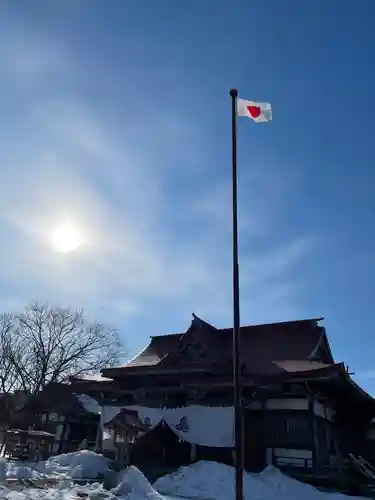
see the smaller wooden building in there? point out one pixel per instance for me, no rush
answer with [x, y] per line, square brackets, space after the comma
[120, 434]
[28, 444]
[56, 411]
[62, 413]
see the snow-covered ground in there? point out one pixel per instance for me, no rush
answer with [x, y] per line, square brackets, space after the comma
[202, 481]
[81, 464]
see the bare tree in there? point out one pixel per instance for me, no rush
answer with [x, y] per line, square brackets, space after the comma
[9, 349]
[46, 344]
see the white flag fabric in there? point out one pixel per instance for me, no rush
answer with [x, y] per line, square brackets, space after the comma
[257, 111]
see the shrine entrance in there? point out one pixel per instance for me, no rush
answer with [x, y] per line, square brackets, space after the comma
[160, 446]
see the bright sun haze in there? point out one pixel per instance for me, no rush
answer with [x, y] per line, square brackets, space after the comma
[65, 238]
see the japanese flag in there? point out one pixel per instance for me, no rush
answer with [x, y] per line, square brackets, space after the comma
[258, 111]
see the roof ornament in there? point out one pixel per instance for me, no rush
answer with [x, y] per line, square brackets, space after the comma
[196, 319]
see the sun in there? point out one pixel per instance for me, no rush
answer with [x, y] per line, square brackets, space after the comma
[65, 238]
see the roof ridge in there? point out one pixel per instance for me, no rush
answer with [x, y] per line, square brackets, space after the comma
[258, 325]
[166, 335]
[290, 322]
[195, 318]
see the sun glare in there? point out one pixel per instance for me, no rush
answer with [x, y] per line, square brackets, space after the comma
[65, 238]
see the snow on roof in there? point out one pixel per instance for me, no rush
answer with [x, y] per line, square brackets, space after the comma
[89, 404]
[95, 377]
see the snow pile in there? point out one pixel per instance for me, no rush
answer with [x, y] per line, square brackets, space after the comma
[80, 464]
[38, 494]
[25, 470]
[3, 470]
[215, 481]
[89, 492]
[277, 483]
[200, 481]
[134, 486]
[208, 480]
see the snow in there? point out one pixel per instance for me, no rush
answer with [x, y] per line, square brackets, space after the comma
[214, 481]
[133, 485]
[80, 464]
[3, 470]
[38, 494]
[83, 464]
[199, 481]
[89, 404]
[67, 492]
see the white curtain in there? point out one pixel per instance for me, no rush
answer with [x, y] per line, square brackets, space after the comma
[202, 425]
[149, 416]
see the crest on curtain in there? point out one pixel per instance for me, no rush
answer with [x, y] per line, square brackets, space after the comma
[183, 426]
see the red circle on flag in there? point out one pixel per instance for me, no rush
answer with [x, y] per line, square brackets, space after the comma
[254, 111]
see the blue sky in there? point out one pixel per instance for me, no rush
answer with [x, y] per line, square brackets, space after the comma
[115, 117]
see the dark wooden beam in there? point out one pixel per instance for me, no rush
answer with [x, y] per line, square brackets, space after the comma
[314, 434]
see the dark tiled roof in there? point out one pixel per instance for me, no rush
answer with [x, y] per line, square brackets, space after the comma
[309, 369]
[127, 419]
[156, 350]
[58, 398]
[261, 345]
[291, 343]
[300, 365]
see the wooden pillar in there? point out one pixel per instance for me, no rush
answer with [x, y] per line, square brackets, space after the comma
[114, 437]
[244, 436]
[263, 444]
[121, 455]
[193, 452]
[98, 438]
[65, 437]
[3, 442]
[314, 434]
[59, 433]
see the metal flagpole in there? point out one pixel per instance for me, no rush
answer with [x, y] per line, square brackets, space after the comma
[238, 428]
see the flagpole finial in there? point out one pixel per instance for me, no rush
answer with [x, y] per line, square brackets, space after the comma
[233, 93]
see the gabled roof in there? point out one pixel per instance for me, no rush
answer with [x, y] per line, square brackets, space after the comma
[57, 398]
[155, 351]
[261, 347]
[128, 419]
